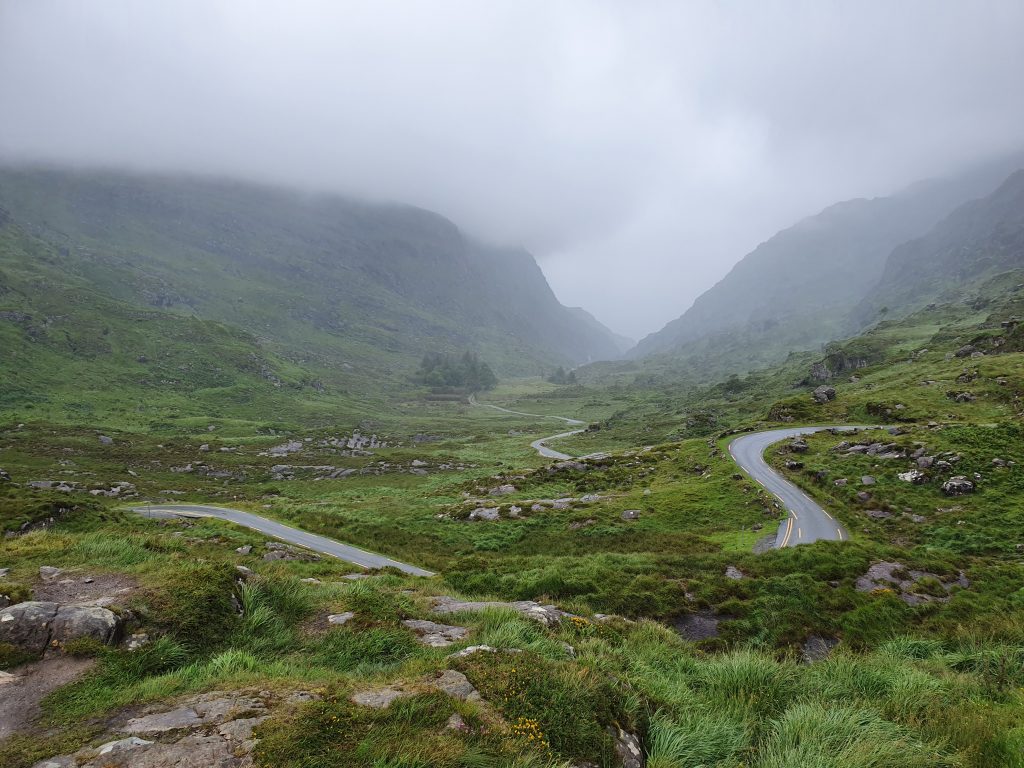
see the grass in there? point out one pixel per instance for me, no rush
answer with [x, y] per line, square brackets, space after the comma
[937, 683]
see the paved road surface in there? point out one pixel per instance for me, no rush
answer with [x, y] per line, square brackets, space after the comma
[540, 445]
[807, 521]
[320, 544]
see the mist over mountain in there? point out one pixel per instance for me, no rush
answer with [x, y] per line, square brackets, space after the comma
[976, 241]
[317, 278]
[798, 289]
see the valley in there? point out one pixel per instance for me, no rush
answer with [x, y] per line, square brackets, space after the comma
[253, 534]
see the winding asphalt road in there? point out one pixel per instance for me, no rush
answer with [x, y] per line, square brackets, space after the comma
[540, 445]
[320, 544]
[807, 520]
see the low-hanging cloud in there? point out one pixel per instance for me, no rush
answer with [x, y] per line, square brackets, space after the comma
[638, 149]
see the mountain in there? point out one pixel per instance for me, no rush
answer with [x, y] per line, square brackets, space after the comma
[976, 241]
[318, 280]
[797, 289]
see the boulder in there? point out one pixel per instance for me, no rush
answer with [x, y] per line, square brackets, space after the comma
[965, 351]
[4, 476]
[824, 393]
[339, 619]
[630, 514]
[502, 490]
[867, 480]
[957, 486]
[104, 440]
[798, 445]
[27, 625]
[734, 573]
[77, 621]
[914, 476]
[484, 513]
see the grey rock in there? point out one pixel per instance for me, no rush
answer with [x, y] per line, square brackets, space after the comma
[867, 480]
[628, 749]
[73, 622]
[630, 514]
[204, 448]
[49, 573]
[106, 440]
[841, 482]
[502, 490]
[4, 476]
[824, 393]
[914, 476]
[178, 719]
[27, 625]
[798, 445]
[734, 573]
[472, 650]
[456, 685]
[817, 648]
[339, 619]
[547, 615]
[965, 351]
[245, 550]
[379, 698]
[484, 513]
[435, 635]
[137, 640]
[925, 462]
[122, 745]
[878, 514]
[4, 572]
[957, 486]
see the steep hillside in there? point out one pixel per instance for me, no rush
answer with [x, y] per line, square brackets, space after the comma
[796, 290]
[320, 280]
[71, 353]
[977, 240]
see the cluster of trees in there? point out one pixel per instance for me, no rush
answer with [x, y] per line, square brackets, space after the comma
[559, 376]
[465, 371]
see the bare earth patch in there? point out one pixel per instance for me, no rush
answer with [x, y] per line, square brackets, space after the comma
[21, 693]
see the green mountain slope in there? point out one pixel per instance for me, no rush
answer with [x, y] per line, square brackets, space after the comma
[71, 353]
[979, 239]
[796, 290]
[322, 281]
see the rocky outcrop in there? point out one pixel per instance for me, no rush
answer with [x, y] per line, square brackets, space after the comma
[213, 730]
[34, 626]
[435, 635]
[450, 682]
[548, 615]
[912, 586]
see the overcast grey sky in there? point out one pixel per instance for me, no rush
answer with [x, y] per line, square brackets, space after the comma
[638, 149]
